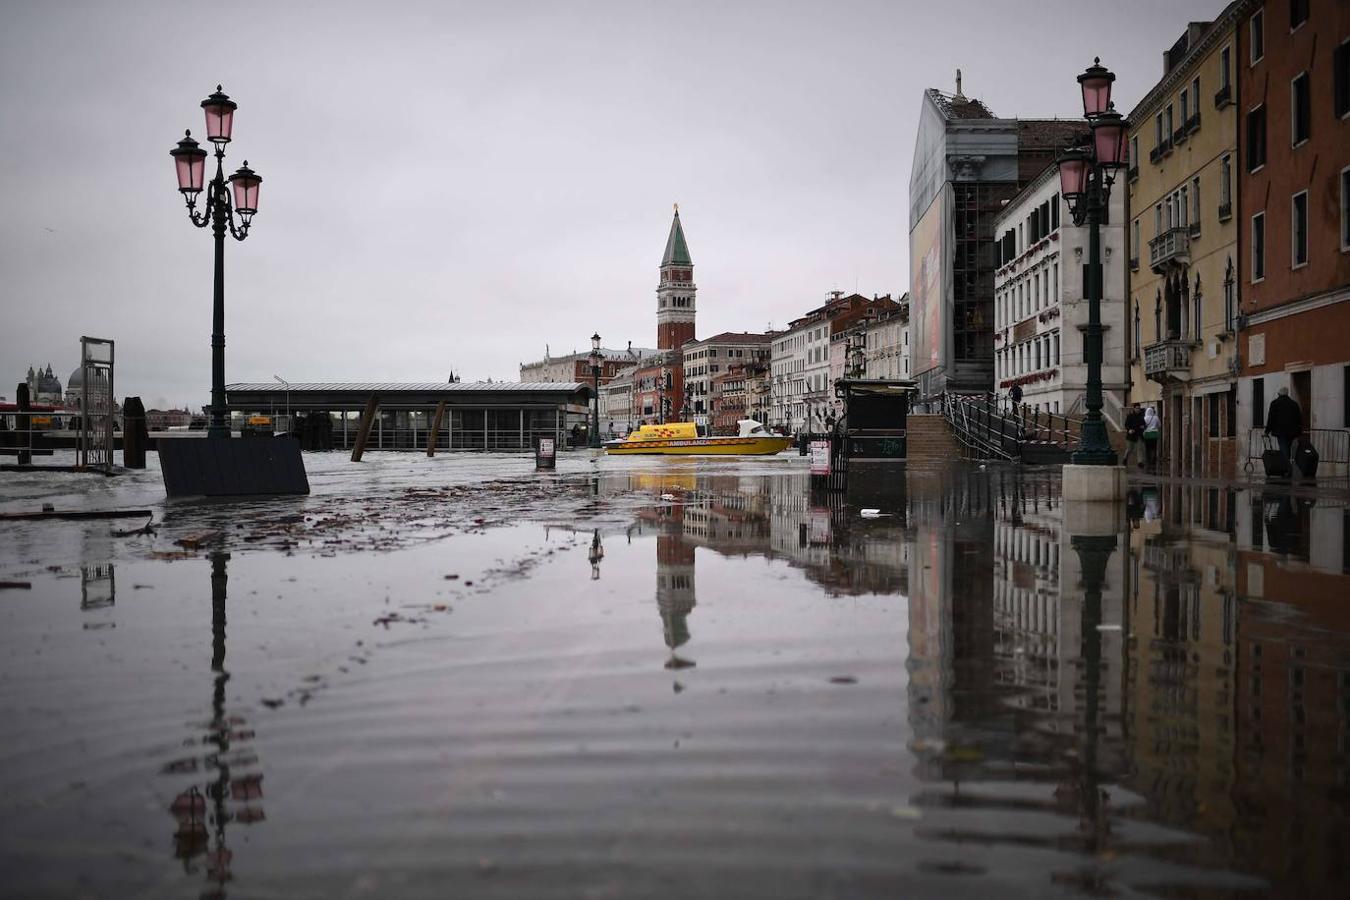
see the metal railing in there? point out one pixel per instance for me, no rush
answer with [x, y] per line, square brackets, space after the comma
[992, 430]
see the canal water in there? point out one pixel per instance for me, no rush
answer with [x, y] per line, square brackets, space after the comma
[666, 678]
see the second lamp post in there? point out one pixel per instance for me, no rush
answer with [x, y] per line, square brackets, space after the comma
[595, 386]
[1086, 174]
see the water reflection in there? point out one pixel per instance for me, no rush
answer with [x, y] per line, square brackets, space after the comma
[232, 792]
[1179, 676]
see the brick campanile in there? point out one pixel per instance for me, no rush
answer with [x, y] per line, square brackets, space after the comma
[676, 291]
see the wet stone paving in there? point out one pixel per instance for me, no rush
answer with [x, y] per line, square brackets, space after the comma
[673, 678]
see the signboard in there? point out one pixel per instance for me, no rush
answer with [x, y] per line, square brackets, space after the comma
[545, 454]
[820, 457]
[927, 300]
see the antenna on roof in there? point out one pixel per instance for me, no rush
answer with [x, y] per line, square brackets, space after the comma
[958, 95]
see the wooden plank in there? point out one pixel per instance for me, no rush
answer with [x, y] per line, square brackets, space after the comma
[363, 430]
[435, 428]
[74, 514]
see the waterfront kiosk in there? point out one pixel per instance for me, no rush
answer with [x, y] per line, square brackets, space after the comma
[476, 415]
[874, 420]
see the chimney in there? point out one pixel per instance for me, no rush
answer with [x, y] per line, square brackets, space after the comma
[958, 95]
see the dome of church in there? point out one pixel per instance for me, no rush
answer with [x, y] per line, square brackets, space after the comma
[76, 379]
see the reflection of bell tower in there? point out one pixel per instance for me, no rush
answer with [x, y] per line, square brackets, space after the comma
[675, 292]
[675, 592]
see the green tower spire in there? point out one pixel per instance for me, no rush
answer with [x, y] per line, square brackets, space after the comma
[677, 251]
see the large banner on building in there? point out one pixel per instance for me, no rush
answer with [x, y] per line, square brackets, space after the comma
[926, 300]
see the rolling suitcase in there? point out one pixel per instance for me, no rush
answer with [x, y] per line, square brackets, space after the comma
[1305, 458]
[1274, 461]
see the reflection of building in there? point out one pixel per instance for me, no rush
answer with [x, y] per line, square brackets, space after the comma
[1183, 247]
[1182, 609]
[1292, 721]
[966, 162]
[675, 592]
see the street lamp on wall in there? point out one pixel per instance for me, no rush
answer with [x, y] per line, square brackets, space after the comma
[1086, 174]
[595, 384]
[220, 213]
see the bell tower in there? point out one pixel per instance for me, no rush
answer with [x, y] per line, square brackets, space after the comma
[676, 291]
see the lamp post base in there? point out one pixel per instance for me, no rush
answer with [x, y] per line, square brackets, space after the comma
[1093, 483]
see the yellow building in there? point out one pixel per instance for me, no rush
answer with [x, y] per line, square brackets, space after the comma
[1183, 249]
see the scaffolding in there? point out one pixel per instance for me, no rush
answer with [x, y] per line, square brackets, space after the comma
[97, 409]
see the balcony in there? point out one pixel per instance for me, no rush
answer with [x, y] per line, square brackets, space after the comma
[1168, 360]
[1193, 123]
[1225, 211]
[1155, 154]
[1194, 229]
[1179, 136]
[1223, 96]
[1132, 172]
[1171, 248]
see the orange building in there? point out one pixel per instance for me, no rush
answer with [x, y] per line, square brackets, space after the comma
[1293, 64]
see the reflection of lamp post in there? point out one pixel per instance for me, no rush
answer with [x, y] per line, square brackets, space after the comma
[190, 161]
[596, 554]
[1094, 552]
[594, 442]
[1086, 175]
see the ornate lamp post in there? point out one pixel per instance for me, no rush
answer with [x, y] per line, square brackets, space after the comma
[219, 213]
[1086, 174]
[594, 442]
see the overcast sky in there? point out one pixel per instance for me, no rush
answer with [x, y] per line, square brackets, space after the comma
[454, 185]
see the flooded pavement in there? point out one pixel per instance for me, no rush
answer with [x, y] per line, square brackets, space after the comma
[457, 677]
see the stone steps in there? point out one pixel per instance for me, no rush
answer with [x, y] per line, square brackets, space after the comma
[927, 437]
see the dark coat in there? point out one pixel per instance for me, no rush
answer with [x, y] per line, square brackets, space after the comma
[1284, 419]
[1016, 393]
[1134, 425]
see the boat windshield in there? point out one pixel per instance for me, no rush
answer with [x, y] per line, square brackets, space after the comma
[751, 428]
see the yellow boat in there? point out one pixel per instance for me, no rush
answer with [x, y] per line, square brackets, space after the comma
[681, 439]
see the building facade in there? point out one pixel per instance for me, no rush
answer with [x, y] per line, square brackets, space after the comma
[802, 393]
[44, 386]
[1039, 308]
[576, 366]
[1184, 249]
[967, 162]
[1292, 66]
[705, 360]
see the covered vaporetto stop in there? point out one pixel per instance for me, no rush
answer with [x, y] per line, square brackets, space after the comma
[478, 415]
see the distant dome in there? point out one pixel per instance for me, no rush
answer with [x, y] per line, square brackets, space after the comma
[76, 379]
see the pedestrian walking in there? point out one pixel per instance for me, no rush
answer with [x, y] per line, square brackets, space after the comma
[1015, 397]
[1134, 436]
[1152, 437]
[1284, 422]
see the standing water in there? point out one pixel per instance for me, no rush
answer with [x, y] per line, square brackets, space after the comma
[680, 678]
